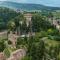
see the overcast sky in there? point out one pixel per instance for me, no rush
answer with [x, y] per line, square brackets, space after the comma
[45, 2]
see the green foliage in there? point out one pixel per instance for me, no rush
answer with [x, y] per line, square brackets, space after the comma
[7, 52]
[9, 42]
[53, 52]
[2, 45]
[21, 41]
[50, 15]
[5, 16]
[40, 23]
[41, 34]
[53, 32]
[36, 50]
[18, 24]
[11, 25]
[57, 38]
[26, 58]
[39, 49]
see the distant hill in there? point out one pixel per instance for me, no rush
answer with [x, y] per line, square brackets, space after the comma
[6, 15]
[22, 6]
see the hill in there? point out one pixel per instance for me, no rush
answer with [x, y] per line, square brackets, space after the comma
[24, 6]
[5, 16]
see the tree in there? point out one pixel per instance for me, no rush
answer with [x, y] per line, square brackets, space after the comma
[50, 15]
[19, 21]
[6, 15]
[11, 25]
[2, 45]
[39, 23]
[36, 49]
[7, 52]
[40, 52]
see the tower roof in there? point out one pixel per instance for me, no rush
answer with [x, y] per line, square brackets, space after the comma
[28, 15]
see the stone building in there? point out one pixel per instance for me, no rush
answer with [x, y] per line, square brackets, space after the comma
[13, 37]
[28, 17]
[55, 22]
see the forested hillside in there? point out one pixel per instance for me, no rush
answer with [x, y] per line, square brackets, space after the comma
[40, 39]
[24, 6]
[6, 15]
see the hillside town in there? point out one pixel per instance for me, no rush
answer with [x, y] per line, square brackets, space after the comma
[29, 32]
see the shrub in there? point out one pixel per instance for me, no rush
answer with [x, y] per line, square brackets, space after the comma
[2, 45]
[9, 42]
[27, 58]
[7, 53]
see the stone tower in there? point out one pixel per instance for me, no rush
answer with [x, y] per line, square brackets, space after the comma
[28, 17]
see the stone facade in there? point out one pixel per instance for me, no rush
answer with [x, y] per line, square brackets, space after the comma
[28, 18]
[13, 38]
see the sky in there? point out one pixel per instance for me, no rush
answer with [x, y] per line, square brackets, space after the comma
[55, 3]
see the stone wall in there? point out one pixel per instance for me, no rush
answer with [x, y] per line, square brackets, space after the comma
[18, 54]
[2, 57]
[13, 38]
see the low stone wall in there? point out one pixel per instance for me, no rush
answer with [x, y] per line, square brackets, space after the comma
[18, 54]
[2, 57]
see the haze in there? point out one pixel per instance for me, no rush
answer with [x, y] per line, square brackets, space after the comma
[55, 3]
